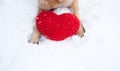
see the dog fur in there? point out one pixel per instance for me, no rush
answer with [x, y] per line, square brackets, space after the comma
[52, 4]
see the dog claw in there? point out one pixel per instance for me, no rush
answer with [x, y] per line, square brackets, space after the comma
[33, 42]
[37, 42]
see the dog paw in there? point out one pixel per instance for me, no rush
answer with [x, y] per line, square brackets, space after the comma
[81, 31]
[34, 39]
[80, 34]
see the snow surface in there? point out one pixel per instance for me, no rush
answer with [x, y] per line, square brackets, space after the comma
[99, 50]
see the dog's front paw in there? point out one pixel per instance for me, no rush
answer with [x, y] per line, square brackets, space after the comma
[81, 31]
[34, 39]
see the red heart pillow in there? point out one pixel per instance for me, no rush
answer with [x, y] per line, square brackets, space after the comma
[57, 27]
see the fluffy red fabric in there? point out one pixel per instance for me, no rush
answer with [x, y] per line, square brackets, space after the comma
[57, 27]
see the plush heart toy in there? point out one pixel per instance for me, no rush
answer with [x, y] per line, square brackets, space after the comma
[57, 27]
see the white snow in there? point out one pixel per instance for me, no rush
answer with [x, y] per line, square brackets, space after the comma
[99, 50]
